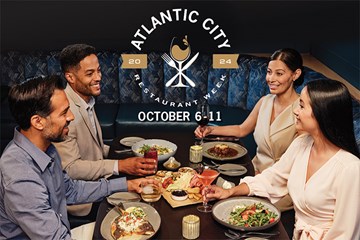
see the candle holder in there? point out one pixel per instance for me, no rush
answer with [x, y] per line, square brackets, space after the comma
[191, 227]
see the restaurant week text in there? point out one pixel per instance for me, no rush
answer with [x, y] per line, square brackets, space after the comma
[176, 116]
[143, 32]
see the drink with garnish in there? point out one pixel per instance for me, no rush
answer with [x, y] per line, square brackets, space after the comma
[206, 176]
[151, 153]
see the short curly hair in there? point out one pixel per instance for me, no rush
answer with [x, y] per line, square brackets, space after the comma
[71, 55]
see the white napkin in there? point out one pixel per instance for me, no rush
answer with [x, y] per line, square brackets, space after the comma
[83, 232]
[224, 184]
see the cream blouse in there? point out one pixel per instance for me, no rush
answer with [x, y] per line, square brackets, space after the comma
[327, 206]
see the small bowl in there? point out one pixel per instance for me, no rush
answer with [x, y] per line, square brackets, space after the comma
[172, 164]
[179, 195]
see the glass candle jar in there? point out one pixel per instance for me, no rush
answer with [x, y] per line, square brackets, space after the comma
[196, 154]
[191, 227]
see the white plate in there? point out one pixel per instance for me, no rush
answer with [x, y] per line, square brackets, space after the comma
[230, 169]
[118, 197]
[152, 142]
[152, 216]
[129, 141]
[241, 150]
[221, 212]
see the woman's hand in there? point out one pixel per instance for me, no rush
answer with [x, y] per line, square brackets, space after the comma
[201, 132]
[215, 192]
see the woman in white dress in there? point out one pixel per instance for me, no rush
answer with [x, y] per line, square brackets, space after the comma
[272, 118]
[320, 170]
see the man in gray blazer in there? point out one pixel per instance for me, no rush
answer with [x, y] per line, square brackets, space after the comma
[83, 153]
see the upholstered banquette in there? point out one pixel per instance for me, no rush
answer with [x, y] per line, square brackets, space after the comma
[126, 92]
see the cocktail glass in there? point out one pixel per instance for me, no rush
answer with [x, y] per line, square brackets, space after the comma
[206, 176]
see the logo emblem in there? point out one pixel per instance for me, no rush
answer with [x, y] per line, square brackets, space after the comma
[180, 51]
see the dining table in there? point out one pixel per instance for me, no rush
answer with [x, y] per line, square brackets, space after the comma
[171, 218]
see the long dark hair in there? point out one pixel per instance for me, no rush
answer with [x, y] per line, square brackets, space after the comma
[332, 107]
[33, 97]
[293, 61]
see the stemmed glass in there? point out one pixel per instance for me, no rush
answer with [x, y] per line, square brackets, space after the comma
[206, 176]
[180, 51]
[202, 116]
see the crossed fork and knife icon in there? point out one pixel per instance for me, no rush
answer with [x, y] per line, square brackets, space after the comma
[180, 70]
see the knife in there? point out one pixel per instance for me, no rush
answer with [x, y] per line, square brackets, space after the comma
[187, 65]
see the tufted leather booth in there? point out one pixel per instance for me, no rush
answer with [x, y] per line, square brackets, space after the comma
[122, 98]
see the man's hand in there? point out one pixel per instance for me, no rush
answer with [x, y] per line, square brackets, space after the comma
[134, 185]
[138, 166]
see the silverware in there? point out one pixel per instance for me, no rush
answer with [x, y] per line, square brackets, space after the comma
[169, 61]
[172, 64]
[231, 139]
[217, 166]
[119, 207]
[236, 235]
[191, 61]
[123, 151]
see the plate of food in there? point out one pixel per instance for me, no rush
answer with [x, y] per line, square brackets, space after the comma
[182, 181]
[246, 213]
[223, 150]
[164, 148]
[139, 221]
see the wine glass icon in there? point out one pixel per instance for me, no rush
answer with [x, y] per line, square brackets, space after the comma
[180, 52]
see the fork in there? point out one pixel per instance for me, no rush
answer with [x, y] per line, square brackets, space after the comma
[169, 61]
[235, 235]
[119, 207]
[215, 164]
[172, 64]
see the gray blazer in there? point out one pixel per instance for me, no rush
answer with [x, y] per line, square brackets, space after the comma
[83, 152]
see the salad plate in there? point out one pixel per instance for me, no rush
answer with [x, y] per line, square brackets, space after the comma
[222, 209]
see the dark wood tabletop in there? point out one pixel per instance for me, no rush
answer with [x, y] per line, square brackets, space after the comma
[171, 218]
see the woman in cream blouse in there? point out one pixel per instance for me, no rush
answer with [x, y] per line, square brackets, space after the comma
[272, 117]
[320, 170]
